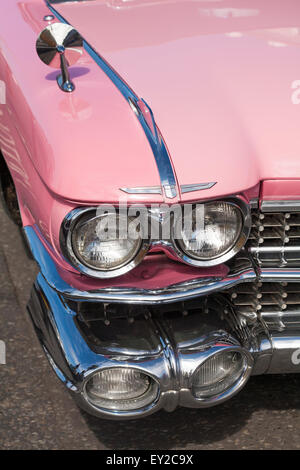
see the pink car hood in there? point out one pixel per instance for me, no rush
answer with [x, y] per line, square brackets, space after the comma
[218, 77]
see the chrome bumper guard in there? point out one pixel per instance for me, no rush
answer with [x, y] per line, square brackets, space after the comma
[169, 353]
[168, 350]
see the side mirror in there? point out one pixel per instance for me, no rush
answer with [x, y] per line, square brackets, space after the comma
[60, 46]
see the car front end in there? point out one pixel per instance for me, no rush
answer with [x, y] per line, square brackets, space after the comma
[167, 236]
[144, 342]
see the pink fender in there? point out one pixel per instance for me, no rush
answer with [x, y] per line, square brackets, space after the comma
[220, 120]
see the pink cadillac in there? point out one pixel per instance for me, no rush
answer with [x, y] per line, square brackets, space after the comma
[150, 151]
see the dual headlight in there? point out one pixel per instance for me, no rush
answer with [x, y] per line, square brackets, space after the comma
[214, 230]
[96, 244]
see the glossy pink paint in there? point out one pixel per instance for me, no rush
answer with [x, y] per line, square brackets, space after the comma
[217, 77]
[278, 190]
[155, 272]
[69, 137]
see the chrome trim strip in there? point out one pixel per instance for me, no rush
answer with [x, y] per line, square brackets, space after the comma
[279, 275]
[274, 249]
[189, 188]
[173, 293]
[143, 190]
[169, 294]
[159, 149]
[280, 206]
[254, 203]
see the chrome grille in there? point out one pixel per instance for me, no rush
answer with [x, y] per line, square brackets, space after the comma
[275, 239]
[278, 304]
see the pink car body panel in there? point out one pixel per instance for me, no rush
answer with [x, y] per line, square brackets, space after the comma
[218, 113]
[217, 76]
[73, 131]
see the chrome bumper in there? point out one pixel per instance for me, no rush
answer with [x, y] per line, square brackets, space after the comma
[169, 351]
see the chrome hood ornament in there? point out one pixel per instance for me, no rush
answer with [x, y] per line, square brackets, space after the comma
[59, 46]
[185, 188]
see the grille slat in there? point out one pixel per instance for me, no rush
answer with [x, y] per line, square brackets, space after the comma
[278, 304]
[275, 239]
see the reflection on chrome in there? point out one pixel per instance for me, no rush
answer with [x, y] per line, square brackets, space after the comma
[177, 362]
[59, 46]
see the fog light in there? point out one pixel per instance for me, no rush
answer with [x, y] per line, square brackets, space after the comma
[121, 389]
[219, 373]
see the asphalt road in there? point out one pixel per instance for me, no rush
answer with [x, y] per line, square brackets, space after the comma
[36, 412]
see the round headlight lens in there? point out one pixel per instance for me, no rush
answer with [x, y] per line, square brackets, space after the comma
[98, 243]
[214, 229]
[121, 389]
[219, 373]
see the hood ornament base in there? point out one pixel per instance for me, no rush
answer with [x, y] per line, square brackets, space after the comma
[189, 188]
[185, 188]
[143, 190]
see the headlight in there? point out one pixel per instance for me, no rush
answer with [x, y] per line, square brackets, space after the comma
[121, 389]
[223, 373]
[95, 245]
[213, 233]
[216, 232]
[96, 242]
[218, 373]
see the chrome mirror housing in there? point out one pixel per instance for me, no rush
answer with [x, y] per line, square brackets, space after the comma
[60, 46]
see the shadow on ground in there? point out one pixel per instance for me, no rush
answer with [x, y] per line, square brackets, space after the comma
[223, 426]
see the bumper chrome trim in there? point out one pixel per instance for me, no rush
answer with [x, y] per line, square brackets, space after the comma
[170, 357]
[173, 293]
[70, 356]
[175, 352]
[169, 294]
[175, 348]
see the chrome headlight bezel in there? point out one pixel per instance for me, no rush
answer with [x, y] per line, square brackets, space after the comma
[238, 245]
[154, 387]
[170, 246]
[235, 386]
[66, 232]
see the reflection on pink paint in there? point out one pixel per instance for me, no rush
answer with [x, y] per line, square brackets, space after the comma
[74, 108]
[8, 147]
